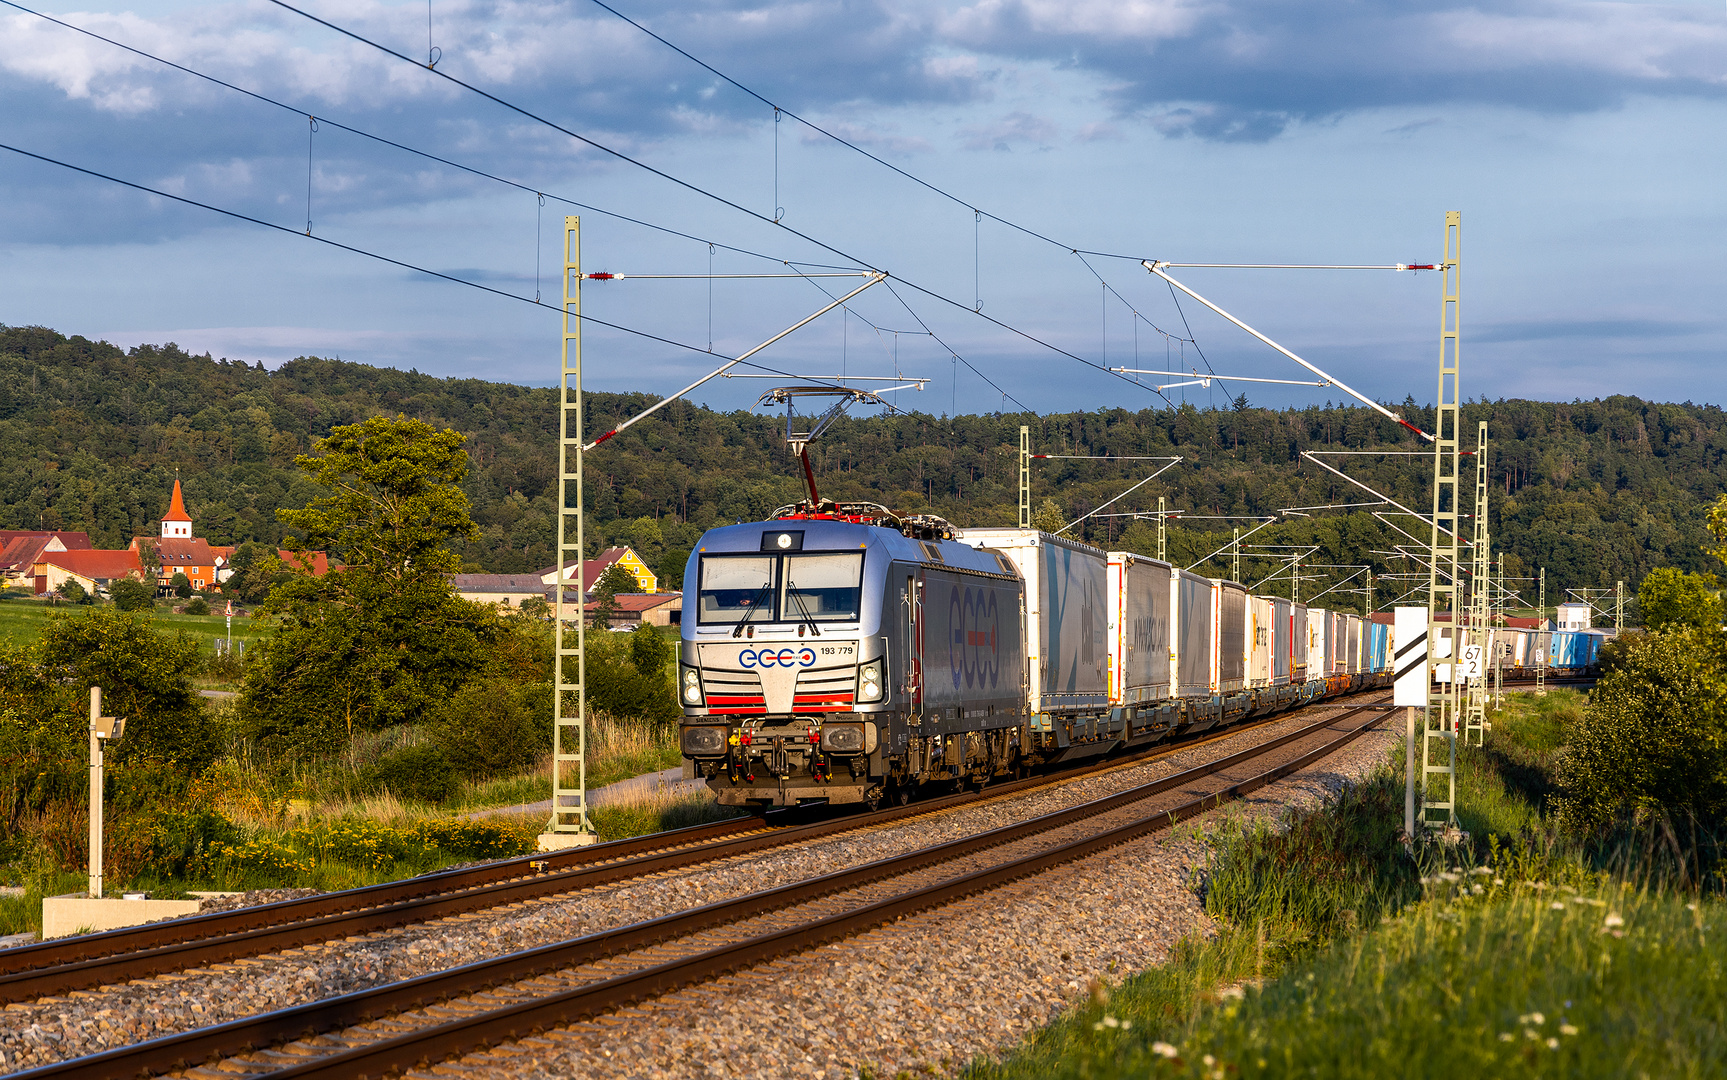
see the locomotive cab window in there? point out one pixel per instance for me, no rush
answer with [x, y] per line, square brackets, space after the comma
[736, 586]
[822, 587]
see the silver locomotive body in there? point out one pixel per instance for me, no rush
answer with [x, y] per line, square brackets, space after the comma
[828, 659]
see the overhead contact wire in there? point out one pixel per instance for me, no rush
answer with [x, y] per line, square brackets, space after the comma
[697, 190]
[266, 99]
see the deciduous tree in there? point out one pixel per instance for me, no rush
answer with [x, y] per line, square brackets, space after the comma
[384, 639]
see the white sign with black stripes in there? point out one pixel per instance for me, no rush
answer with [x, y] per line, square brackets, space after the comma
[1409, 658]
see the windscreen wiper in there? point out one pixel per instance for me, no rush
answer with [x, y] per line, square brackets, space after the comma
[791, 591]
[738, 630]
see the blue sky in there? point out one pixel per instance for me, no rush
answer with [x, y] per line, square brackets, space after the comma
[1582, 142]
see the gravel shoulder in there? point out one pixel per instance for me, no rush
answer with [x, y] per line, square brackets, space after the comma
[928, 994]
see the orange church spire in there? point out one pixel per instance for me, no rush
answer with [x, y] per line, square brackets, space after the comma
[177, 507]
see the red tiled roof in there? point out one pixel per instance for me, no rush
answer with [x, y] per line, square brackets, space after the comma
[74, 541]
[177, 553]
[592, 568]
[317, 563]
[19, 550]
[629, 603]
[177, 506]
[102, 565]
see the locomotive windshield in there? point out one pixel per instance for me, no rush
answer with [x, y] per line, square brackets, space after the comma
[734, 586]
[823, 588]
[813, 586]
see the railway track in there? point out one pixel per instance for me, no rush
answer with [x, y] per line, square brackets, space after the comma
[93, 960]
[87, 961]
[431, 1018]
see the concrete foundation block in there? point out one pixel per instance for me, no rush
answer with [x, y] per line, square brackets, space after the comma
[558, 841]
[66, 915]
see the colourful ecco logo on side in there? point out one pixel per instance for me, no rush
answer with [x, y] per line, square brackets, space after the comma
[768, 658]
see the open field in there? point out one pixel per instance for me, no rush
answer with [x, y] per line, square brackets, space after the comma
[22, 621]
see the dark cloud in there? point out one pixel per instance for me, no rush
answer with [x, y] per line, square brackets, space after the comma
[1244, 70]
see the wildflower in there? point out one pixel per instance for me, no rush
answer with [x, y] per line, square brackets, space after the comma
[1692, 906]
[1552, 1044]
[1110, 1021]
[1506, 1036]
[1498, 881]
[1567, 1029]
[1481, 870]
[1209, 1061]
[1557, 906]
[1613, 920]
[1163, 1049]
[1531, 1033]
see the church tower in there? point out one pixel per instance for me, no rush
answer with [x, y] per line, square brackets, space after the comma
[176, 523]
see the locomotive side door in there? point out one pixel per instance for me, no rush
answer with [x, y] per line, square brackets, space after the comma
[911, 604]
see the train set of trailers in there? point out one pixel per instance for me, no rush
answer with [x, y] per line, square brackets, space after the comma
[855, 657]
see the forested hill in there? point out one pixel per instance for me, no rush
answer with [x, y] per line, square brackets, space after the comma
[1594, 491]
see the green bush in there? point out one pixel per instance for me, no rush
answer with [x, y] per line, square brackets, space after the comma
[1654, 737]
[130, 594]
[1673, 598]
[492, 727]
[198, 606]
[185, 837]
[616, 684]
[415, 772]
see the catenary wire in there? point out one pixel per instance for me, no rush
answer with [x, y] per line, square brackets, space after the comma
[298, 111]
[696, 189]
[236, 215]
[588, 207]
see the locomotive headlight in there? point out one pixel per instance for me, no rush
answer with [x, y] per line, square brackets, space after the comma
[870, 681]
[692, 686]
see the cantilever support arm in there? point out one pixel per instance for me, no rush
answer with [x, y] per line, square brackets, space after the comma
[1370, 491]
[1173, 462]
[873, 279]
[1157, 268]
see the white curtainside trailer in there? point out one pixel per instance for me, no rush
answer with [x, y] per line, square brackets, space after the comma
[1139, 629]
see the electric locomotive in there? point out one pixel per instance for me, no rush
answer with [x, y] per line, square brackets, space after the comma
[842, 652]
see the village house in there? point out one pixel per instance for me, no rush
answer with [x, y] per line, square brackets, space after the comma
[505, 590]
[22, 549]
[93, 570]
[630, 610]
[591, 570]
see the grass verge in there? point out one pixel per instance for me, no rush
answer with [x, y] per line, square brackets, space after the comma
[1513, 981]
[1561, 955]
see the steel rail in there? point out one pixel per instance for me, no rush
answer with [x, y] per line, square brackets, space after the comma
[83, 962]
[188, 1049]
